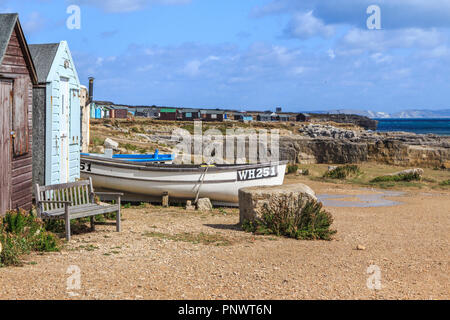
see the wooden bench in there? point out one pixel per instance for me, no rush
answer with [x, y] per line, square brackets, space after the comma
[75, 200]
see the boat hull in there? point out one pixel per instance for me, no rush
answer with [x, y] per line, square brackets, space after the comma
[218, 183]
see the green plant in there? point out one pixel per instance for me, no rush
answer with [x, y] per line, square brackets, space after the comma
[128, 146]
[127, 205]
[445, 183]
[96, 141]
[292, 168]
[343, 172]
[293, 217]
[21, 233]
[398, 178]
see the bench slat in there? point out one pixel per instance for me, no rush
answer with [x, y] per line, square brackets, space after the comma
[100, 210]
[79, 212]
[64, 185]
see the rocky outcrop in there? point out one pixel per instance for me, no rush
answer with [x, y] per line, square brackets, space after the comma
[416, 171]
[327, 144]
[254, 200]
[361, 121]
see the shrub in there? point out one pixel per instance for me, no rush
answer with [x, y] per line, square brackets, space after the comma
[292, 168]
[294, 218]
[128, 146]
[407, 177]
[96, 141]
[21, 233]
[343, 172]
[445, 183]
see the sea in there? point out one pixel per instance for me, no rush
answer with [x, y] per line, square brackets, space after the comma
[422, 126]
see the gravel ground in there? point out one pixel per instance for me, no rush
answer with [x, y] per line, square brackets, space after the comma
[176, 254]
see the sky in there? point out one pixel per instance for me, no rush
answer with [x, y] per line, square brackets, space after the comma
[301, 55]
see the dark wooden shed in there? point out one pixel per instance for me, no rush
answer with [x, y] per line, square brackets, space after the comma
[212, 115]
[190, 114]
[303, 117]
[17, 77]
[168, 114]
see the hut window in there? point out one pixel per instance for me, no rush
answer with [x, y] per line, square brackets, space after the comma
[20, 116]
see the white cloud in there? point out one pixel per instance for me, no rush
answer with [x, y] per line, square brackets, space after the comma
[306, 25]
[395, 13]
[117, 6]
[192, 68]
[331, 54]
[357, 41]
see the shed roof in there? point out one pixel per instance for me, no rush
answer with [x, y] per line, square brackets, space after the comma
[212, 112]
[43, 56]
[8, 21]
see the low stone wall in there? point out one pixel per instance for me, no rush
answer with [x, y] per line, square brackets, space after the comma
[252, 200]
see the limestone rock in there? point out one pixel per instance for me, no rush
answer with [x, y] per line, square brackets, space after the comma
[418, 171]
[252, 200]
[111, 144]
[189, 205]
[204, 204]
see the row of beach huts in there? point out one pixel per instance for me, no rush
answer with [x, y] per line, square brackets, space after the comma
[109, 110]
[44, 115]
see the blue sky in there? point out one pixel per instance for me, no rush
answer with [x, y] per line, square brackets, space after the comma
[254, 54]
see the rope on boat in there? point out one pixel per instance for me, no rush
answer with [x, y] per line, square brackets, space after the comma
[201, 182]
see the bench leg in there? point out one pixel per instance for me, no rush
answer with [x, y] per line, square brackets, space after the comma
[67, 222]
[92, 223]
[118, 220]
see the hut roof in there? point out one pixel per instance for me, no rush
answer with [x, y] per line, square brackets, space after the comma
[8, 21]
[43, 56]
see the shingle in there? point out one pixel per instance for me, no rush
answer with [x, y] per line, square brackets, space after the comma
[7, 23]
[43, 56]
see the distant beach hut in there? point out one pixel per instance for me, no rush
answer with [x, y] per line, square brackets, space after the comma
[304, 117]
[168, 114]
[190, 114]
[17, 77]
[282, 117]
[264, 117]
[212, 115]
[56, 152]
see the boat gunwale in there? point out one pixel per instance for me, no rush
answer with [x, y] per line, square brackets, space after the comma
[179, 168]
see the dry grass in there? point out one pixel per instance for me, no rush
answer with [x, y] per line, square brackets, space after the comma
[432, 178]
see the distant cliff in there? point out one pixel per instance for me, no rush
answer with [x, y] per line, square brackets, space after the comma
[327, 144]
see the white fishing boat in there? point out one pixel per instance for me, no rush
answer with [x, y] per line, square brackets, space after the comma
[150, 181]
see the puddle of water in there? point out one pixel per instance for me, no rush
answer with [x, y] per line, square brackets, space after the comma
[363, 200]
